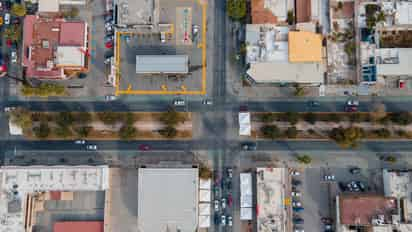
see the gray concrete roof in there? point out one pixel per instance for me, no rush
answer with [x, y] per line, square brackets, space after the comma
[401, 65]
[162, 64]
[135, 12]
[168, 199]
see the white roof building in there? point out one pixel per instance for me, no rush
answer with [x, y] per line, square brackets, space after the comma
[168, 199]
[245, 190]
[17, 182]
[204, 195]
[205, 183]
[50, 6]
[271, 199]
[403, 14]
[70, 56]
[393, 61]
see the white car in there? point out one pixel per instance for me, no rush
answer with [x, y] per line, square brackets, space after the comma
[162, 37]
[295, 173]
[329, 178]
[296, 204]
[216, 205]
[230, 172]
[207, 102]
[352, 103]
[295, 194]
[223, 203]
[13, 57]
[7, 18]
[80, 142]
[179, 102]
[91, 147]
[109, 97]
[8, 109]
[229, 221]
[196, 29]
[223, 220]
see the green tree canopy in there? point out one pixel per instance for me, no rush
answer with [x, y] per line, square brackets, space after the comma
[347, 137]
[18, 10]
[21, 117]
[82, 131]
[236, 9]
[171, 117]
[304, 159]
[168, 132]
[42, 131]
[270, 131]
[127, 132]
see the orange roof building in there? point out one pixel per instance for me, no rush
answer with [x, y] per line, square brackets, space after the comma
[305, 47]
[78, 226]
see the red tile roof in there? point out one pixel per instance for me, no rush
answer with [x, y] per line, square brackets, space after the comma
[261, 15]
[72, 33]
[303, 11]
[78, 226]
[361, 209]
[41, 36]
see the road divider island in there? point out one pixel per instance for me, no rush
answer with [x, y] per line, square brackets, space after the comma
[101, 125]
[344, 128]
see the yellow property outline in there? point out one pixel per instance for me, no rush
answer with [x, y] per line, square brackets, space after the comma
[165, 92]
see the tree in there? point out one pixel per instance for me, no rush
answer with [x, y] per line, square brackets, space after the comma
[378, 112]
[291, 17]
[401, 118]
[13, 33]
[82, 131]
[332, 117]
[63, 131]
[205, 172]
[292, 117]
[236, 9]
[108, 117]
[299, 91]
[168, 132]
[83, 117]
[383, 133]
[129, 118]
[127, 132]
[347, 137]
[268, 117]
[171, 117]
[311, 118]
[21, 117]
[44, 90]
[74, 12]
[390, 159]
[380, 17]
[340, 5]
[304, 159]
[64, 119]
[18, 10]
[42, 131]
[270, 131]
[291, 132]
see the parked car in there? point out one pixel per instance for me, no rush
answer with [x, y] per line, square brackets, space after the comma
[229, 200]
[230, 172]
[298, 220]
[352, 103]
[162, 37]
[80, 142]
[91, 147]
[223, 220]
[195, 29]
[329, 178]
[229, 221]
[296, 182]
[108, 18]
[351, 109]
[295, 194]
[7, 18]
[248, 146]
[299, 230]
[109, 44]
[13, 57]
[297, 209]
[108, 38]
[207, 102]
[216, 205]
[223, 203]
[326, 220]
[401, 84]
[8, 109]
[179, 102]
[355, 170]
[296, 204]
[216, 218]
[144, 147]
[295, 173]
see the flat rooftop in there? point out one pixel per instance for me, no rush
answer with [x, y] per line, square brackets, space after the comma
[135, 12]
[162, 64]
[270, 199]
[305, 46]
[168, 199]
[393, 61]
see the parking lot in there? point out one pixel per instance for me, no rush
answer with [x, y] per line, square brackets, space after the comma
[179, 33]
[319, 187]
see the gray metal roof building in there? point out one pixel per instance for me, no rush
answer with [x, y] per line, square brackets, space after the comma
[162, 64]
[168, 199]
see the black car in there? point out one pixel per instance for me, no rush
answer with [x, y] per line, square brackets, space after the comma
[296, 182]
[217, 219]
[298, 221]
[249, 146]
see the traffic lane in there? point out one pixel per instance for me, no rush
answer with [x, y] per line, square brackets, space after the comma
[205, 144]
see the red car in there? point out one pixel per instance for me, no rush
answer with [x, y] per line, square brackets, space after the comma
[109, 44]
[229, 200]
[351, 109]
[144, 147]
